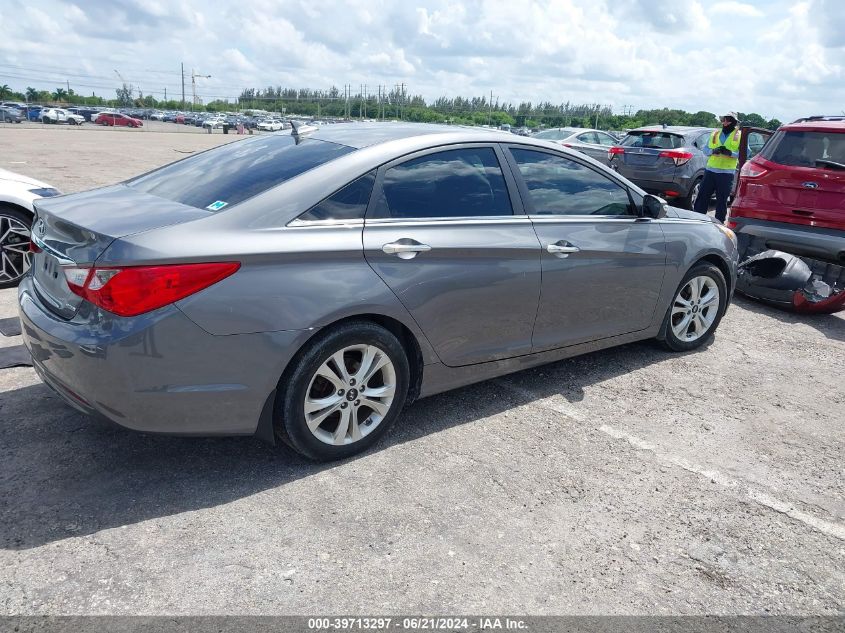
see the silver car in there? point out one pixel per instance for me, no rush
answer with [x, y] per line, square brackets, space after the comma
[593, 143]
[308, 286]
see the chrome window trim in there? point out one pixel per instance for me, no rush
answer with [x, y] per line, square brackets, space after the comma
[448, 221]
[296, 223]
[604, 219]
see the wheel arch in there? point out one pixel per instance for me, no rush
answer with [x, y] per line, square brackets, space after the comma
[18, 207]
[402, 332]
[722, 265]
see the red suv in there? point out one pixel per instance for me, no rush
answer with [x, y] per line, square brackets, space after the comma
[792, 194]
[116, 118]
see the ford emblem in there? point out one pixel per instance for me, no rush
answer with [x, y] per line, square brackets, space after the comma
[810, 185]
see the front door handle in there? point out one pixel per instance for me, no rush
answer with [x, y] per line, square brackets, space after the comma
[562, 249]
[405, 248]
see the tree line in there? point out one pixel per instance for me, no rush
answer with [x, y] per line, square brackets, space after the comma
[397, 104]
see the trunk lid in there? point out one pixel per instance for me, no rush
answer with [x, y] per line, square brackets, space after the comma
[76, 229]
[810, 196]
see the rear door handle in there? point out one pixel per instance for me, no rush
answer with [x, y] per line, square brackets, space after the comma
[562, 249]
[405, 248]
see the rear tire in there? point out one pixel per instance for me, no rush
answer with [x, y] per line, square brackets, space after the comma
[323, 410]
[696, 309]
[689, 201]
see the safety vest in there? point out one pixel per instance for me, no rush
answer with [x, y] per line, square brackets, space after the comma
[720, 161]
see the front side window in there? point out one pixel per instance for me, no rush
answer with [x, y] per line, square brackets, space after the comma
[560, 186]
[453, 183]
[605, 139]
[223, 176]
[350, 203]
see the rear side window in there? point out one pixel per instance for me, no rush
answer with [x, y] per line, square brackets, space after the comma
[454, 183]
[804, 149]
[657, 140]
[227, 175]
[559, 186]
[350, 203]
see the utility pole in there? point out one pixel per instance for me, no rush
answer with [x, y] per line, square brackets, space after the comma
[361, 101]
[165, 94]
[490, 111]
[183, 86]
[194, 85]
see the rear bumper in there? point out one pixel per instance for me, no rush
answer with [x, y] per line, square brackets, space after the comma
[807, 241]
[682, 186]
[158, 373]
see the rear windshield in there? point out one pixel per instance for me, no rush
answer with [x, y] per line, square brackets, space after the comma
[227, 175]
[658, 140]
[803, 149]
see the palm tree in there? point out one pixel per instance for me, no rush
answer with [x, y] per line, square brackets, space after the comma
[60, 94]
[5, 91]
[31, 94]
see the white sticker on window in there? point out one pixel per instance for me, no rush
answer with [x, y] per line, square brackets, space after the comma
[216, 206]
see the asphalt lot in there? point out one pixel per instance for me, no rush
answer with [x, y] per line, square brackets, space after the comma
[629, 481]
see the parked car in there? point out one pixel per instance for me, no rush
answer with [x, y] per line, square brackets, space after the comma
[239, 291]
[156, 115]
[10, 115]
[791, 195]
[665, 160]
[214, 122]
[270, 125]
[117, 118]
[33, 112]
[17, 193]
[60, 115]
[593, 143]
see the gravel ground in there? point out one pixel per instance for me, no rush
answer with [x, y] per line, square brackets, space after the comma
[629, 481]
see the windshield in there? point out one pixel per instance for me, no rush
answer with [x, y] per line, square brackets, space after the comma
[657, 140]
[803, 149]
[227, 175]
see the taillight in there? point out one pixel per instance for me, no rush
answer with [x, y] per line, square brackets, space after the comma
[752, 170]
[732, 224]
[614, 151]
[34, 248]
[134, 290]
[676, 155]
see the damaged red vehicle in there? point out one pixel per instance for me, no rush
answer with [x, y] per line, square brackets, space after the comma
[790, 201]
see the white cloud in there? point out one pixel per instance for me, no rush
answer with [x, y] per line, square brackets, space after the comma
[646, 53]
[739, 9]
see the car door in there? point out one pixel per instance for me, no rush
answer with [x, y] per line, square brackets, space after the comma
[446, 232]
[588, 143]
[602, 263]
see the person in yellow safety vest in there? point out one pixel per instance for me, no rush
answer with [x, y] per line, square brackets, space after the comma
[723, 152]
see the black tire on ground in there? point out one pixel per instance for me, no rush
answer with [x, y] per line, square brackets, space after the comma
[667, 336]
[289, 415]
[8, 211]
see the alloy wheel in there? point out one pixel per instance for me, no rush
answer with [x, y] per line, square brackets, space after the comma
[695, 308]
[694, 195]
[14, 249]
[350, 394]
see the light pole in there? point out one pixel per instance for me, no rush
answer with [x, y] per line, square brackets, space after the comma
[194, 85]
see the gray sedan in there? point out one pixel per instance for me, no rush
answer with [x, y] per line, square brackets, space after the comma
[308, 286]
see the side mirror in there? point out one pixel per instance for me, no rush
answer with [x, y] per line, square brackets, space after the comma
[654, 207]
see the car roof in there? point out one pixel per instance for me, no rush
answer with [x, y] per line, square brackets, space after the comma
[360, 135]
[672, 129]
[818, 126]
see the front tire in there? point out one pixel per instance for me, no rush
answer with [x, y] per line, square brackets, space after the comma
[14, 245]
[696, 309]
[345, 390]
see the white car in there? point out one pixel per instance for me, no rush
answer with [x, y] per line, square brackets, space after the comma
[60, 115]
[270, 125]
[213, 122]
[17, 193]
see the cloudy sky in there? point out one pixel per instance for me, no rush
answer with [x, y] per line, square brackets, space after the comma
[780, 58]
